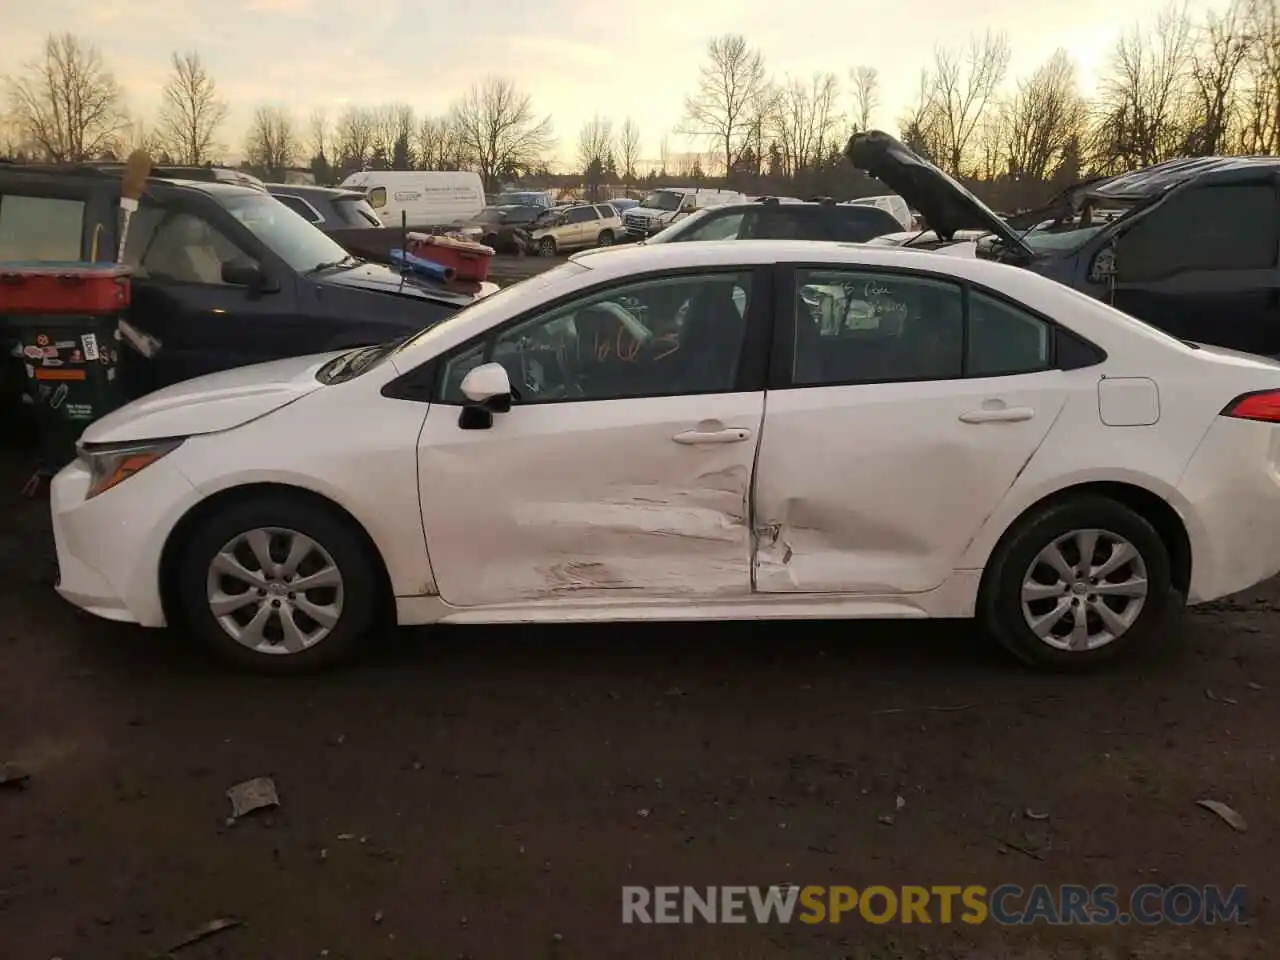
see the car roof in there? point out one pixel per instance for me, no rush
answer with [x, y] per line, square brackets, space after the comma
[311, 190]
[1152, 181]
[637, 258]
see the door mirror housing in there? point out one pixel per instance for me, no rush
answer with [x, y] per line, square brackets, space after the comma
[688, 208]
[246, 273]
[488, 386]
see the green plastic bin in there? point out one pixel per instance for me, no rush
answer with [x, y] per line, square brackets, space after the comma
[72, 376]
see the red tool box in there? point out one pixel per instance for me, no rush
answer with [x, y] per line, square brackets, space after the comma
[63, 288]
[470, 261]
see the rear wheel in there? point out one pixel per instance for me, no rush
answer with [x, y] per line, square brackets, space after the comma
[279, 585]
[547, 247]
[1076, 584]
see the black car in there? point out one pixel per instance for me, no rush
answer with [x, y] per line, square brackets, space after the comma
[1190, 246]
[329, 208]
[774, 219]
[225, 275]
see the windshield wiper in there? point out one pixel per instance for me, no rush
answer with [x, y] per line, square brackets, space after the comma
[334, 264]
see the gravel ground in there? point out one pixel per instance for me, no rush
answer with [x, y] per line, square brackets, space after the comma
[485, 792]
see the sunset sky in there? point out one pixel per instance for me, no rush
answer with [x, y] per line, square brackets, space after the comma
[576, 58]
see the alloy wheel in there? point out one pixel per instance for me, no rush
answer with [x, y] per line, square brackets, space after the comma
[275, 590]
[1084, 590]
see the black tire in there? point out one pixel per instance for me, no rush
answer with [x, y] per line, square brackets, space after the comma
[605, 239]
[1000, 603]
[334, 532]
[547, 247]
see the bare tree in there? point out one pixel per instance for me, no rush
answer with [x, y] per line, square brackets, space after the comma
[272, 142]
[728, 108]
[992, 141]
[1217, 62]
[499, 131]
[438, 145]
[67, 103]
[866, 95]
[1261, 120]
[805, 120]
[1042, 118]
[629, 149]
[664, 154]
[318, 135]
[354, 137]
[190, 110]
[961, 87]
[1143, 98]
[922, 125]
[138, 136]
[595, 152]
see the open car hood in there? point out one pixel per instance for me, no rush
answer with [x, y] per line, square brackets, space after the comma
[946, 205]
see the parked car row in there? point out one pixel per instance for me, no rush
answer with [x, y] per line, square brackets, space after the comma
[976, 404]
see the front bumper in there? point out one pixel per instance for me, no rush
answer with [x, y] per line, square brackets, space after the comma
[109, 547]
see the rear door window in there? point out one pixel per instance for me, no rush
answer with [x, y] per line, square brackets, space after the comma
[40, 228]
[1224, 227]
[301, 208]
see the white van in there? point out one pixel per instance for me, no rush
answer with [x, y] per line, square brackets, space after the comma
[666, 205]
[428, 199]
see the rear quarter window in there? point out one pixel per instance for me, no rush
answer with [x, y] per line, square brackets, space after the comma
[40, 228]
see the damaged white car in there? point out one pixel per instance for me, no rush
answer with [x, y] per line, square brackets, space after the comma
[711, 431]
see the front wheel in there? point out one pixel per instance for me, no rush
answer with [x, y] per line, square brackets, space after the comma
[605, 239]
[1077, 583]
[547, 247]
[278, 584]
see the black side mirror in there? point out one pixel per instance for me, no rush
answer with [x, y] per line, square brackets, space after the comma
[245, 273]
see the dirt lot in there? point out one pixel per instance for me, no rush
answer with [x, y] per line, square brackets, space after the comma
[508, 269]
[485, 793]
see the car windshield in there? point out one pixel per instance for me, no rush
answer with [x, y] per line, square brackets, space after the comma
[663, 200]
[286, 234]
[498, 300]
[524, 198]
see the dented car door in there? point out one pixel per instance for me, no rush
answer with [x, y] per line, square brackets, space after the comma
[893, 435]
[623, 467]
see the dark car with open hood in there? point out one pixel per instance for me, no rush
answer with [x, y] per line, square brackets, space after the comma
[1189, 246]
[224, 274]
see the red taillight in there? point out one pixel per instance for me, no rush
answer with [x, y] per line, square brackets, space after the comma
[1263, 405]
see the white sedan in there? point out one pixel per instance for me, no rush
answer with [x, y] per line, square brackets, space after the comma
[710, 431]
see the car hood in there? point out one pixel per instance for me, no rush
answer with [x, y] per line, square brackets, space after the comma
[218, 401]
[379, 278]
[946, 205]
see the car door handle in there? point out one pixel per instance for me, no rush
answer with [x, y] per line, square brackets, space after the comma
[728, 435]
[998, 415]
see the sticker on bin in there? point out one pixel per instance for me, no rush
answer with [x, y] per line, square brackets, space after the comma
[90, 344]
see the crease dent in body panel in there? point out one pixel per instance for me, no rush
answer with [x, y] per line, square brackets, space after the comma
[632, 534]
[1012, 483]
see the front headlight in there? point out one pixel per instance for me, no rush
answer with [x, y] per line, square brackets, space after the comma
[113, 463]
